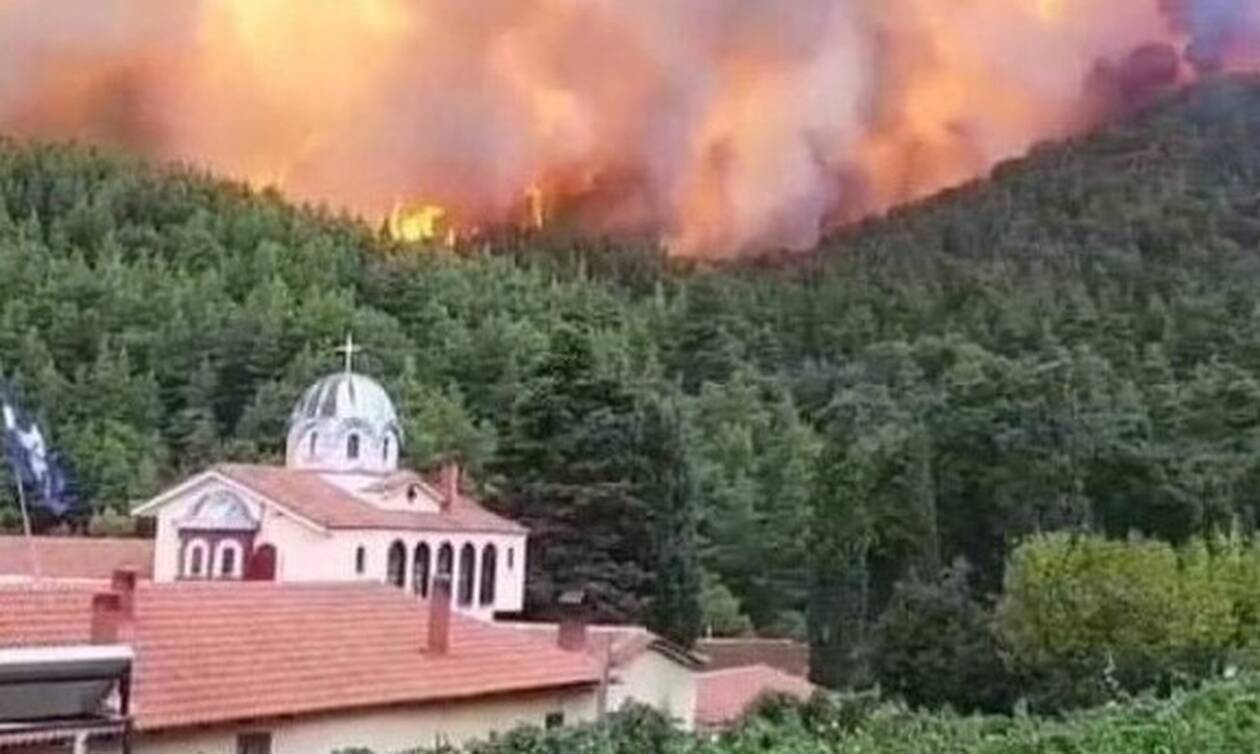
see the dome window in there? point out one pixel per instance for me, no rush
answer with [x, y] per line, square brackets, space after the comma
[344, 422]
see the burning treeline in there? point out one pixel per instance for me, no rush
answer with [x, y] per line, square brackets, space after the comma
[717, 125]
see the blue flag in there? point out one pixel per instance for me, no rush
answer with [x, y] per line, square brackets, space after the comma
[40, 470]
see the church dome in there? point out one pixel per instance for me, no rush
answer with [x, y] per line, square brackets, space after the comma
[346, 395]
[344, 422]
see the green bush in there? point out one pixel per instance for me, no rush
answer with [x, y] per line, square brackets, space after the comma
[1089, 619]
[936, 645]
[1222, 718]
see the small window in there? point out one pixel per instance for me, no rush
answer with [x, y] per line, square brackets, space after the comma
[253, 743]
[227, 561]
[467, 564]
[396, 565]
[511, 558]
[488, 577]
[420, 570]
[314, 442]
[413, 492]
[360, 560]
[385, 450]
[553, 720]
[446, 556]
[352, 447]
[195, 560]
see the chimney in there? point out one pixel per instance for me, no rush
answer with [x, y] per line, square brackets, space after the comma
[450, 484]
[123, 583]
[440, 615]
[106, 618]
[572, 632]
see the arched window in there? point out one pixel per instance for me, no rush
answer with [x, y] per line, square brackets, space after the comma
[385, 450]
[314, 442]
[227, 558]
[511, 558]
[396, 565]
[360, 560]
[467, 563]
[446, 556]
[195, 560]
[420, 570]
[352, 447]
[488, 557]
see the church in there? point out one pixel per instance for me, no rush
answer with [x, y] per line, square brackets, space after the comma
[340, 509]
[331, 602]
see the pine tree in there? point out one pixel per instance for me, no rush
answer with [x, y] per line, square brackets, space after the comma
[669, 488]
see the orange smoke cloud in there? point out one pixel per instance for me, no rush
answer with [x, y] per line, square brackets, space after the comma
[716, 125]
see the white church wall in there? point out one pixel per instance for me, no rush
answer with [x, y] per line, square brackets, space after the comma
[307, 554]
[166, 545]
[303, 555]
[385, 731]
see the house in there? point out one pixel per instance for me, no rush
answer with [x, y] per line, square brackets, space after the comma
[724, 696]
[787, 655]
[303, 668]
[639, 666]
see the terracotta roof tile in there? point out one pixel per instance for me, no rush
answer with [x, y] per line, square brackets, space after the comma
[76, 557]
[209, 653]
[723, 696]
[790, 656]
[311, 496]
[619, 644]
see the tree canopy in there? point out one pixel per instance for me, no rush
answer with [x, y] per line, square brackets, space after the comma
[1073, 344]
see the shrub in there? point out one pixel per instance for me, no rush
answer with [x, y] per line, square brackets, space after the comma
[936, 645]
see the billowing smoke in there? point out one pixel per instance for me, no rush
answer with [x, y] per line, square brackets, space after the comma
[717, 125]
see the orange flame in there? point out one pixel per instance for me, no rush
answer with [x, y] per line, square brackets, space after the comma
[718, 126]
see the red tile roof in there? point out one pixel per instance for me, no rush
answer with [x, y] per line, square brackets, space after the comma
[211, 653]
[76, 557]
[723, 696]
[785, 654]
[309, 495]
[618, 644]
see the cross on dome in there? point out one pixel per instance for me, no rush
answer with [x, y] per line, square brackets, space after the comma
[349, 350]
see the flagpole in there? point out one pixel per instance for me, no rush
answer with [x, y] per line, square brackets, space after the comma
[32, 553]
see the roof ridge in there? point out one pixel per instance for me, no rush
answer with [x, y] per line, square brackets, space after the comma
[761, 666]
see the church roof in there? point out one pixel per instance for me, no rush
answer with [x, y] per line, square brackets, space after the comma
[211, 653]
[309, 495]
[94, 558]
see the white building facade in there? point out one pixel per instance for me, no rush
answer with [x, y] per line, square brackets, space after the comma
[340, 509]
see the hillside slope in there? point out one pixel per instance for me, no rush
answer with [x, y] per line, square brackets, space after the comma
[1073, 343]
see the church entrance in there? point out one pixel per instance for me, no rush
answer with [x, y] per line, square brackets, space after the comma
[262, 564]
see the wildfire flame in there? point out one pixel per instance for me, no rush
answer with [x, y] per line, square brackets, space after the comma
[419, 222]
[716, 125]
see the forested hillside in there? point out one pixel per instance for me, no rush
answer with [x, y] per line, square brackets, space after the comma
[1075, 343]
